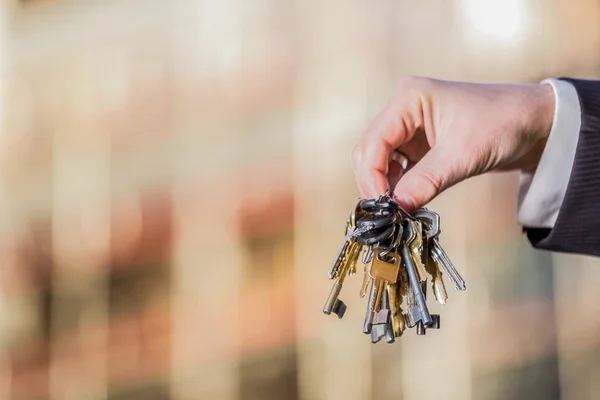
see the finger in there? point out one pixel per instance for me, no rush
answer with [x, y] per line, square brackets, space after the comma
[392, 128]
[371, 176]
[437, 171]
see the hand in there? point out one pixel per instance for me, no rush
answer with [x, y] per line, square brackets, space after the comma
[450, 131]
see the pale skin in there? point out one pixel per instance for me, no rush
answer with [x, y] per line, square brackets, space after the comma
[451, 131]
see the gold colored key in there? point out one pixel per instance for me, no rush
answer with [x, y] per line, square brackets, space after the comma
[398, 323]
[354, 261]
[416, 249]
[355, 213]
[333, 304]
[366, 280]
[437, 283]
[384, 270]
[352, 256]
[403, 282]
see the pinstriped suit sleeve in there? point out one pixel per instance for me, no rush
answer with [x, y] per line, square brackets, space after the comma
[577, 226]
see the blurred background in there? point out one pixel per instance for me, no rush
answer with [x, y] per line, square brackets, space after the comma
[174, 181]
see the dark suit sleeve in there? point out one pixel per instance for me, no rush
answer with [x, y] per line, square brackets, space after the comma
[577, 228]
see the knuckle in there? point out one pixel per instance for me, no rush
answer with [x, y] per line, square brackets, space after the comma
[432, 180]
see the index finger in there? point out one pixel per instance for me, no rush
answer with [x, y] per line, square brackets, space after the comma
[388, 132]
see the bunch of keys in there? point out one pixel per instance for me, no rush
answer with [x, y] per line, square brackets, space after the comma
[400, 253]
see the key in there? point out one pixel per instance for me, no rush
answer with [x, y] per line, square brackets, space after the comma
[381, 323]
[397, 320]
[415, 244]
[435, 324]
[333, 303]
[390, 337]
[339, 258]
[354, 261]
[355, 213]
[382, 315]
[366, 280]
[437, 283]
[438, 254]
[368, 324]
[420, 312]
[430, 221]
[383, 271]
[368, 255]
[377, 333]
[409, 300]
[349, 240]
[440, 257]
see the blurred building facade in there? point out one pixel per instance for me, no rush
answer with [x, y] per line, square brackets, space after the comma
[175, 176]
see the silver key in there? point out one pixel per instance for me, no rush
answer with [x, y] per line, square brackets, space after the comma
[367, 327]
[389, 330]
[378, 332]
[440, 256]
[420, 312]
[432, 225]
[382, 324]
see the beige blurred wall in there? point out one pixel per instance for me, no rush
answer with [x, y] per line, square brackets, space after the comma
[211, 140]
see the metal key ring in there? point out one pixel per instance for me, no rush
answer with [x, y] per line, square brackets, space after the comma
[389, 248]
[376, 235]
[396, 242]
[374, 221]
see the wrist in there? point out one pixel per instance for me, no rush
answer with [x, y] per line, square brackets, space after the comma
[540, 106]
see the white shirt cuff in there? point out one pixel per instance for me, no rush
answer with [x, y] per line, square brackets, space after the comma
[541, 193]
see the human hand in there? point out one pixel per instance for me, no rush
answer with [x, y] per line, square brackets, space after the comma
[450, 131]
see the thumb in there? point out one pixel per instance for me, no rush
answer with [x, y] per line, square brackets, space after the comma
[434, 173]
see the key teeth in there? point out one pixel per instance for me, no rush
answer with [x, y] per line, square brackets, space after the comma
[339, 308]
[381, 317]
[377, 332]
[435, 324]
[409, 322]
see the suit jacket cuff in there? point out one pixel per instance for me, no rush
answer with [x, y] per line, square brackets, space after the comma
[578, 221]
[541, 193]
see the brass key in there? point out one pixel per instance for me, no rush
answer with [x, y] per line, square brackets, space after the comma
[366, 279]
[334, 270]
[437, 283]
[415, 245]
[383, 271]
[355, 212]
[354, 262]
[333, 304]
[398, 323]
